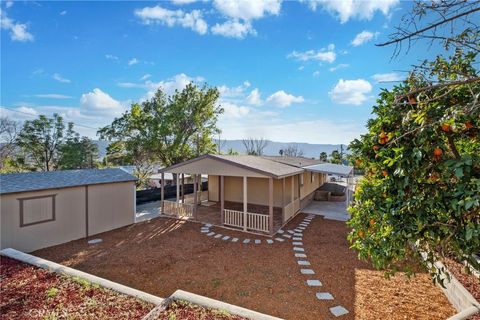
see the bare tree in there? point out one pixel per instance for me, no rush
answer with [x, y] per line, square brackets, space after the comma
[254, 146]
[8, 136]
[293, 151]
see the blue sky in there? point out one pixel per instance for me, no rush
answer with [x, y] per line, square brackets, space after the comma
[287, 71]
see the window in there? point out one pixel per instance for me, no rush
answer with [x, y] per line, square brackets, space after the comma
[36, 210]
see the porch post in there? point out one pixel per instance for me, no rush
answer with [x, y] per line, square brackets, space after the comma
[245, 203]
[222, 198]
[195, 197]
[283, 200]
[162, 193]
[293, 188]
[183, 187]
[270, 204]
[178, 187]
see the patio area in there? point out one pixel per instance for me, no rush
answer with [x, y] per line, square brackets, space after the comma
[162, 255]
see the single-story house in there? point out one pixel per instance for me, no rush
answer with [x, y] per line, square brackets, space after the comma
[254, 193]
[42, 209]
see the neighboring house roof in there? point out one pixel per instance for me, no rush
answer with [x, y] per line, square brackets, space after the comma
[34, 181]
[299, 162]
[330, 168]
[256, 164]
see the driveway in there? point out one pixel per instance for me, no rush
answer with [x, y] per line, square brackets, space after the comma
[329, 210]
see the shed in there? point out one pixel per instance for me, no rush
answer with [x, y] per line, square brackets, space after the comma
[43, 209]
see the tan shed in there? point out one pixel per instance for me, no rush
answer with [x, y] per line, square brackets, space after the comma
[43, 209]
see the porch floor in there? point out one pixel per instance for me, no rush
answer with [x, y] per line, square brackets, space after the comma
[209, 212]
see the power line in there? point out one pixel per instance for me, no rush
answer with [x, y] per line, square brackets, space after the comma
[32, 115]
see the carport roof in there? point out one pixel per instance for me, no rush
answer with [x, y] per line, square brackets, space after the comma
[330, 168]
[35, 181]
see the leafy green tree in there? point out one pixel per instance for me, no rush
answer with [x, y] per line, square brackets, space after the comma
[77, 152]
[421, 155]
[323, 156]
[40, 139]
[168, 130]
[336, 157]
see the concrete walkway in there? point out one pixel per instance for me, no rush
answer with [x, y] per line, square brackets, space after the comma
[330, 210]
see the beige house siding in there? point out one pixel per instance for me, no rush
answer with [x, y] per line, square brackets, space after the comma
[109, 206]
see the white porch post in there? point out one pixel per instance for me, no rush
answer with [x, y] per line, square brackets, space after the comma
[162, 193]
[283, 200]
[270, 204]
[178, 187]
[195, 197]
[222, 198]
[293, 188]
[245, 203]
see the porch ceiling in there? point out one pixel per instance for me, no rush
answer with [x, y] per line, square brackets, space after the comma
[330, 168]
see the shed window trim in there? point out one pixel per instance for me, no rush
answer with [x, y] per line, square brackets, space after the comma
[22, 217]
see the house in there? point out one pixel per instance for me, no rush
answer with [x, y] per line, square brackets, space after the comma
[42, 209]
[251, 193]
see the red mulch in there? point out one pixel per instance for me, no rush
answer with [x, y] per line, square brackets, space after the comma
[181, 310]
[28, 292]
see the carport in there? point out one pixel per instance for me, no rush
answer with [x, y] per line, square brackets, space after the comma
[337, 169]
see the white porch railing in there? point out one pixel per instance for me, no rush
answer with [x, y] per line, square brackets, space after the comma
[177, 209]
[255, 221]
[288, 211]
[233, 218]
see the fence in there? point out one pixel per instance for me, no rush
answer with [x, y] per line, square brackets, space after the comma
[149, 195]
[255, 221]
[178, 209]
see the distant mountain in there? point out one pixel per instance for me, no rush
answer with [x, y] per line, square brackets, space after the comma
[272, 149]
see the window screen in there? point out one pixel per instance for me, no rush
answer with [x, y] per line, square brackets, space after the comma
[37, 210]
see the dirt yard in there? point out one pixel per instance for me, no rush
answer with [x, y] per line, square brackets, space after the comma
[163, 255]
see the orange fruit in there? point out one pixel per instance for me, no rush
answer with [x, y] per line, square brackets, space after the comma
[384, 173]
[468, 125]
[358, 162]
[382, 135]
[412, 100]
[445, 127]
[360, 234]
[375, 148]
[437, 152]
[372, 222]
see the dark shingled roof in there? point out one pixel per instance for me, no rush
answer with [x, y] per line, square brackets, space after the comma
[34, 181]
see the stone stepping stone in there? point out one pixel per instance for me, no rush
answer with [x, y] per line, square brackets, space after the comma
[280, 239]
[314, 283]
[297, 238]
[208, 225]
[338, 311]
[307, 271]
[269, 241]
[324, 296]
[95, 241]
[234, 239]
[298, 230]
[297, 235]
[258, 241]
[205, 231]
[304, 224]
[211, 234]
[298, 249]
[246, 241]
[297, 243]
[280, 231]
[225, 238]
[287, 236]
[301, 228]
[291, 231]
[218, 236]
[303, 263]
[300, 255]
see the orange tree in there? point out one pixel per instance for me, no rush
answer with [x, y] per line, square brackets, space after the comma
[421, 156]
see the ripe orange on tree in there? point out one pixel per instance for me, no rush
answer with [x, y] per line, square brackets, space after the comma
[446, 127]
[384, 173]
[468, 124]
[437, 152]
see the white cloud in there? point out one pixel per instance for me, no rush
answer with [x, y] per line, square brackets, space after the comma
[353, 9]
[325, 54]
[18, 31]
[231, 92]
[133, 61]
[53, 96]
[232, 110]
[387, 77]
[193, 20]
[98, 101]
[234, 29]
[8, 4]
[316, 73]
[64, 12]
[145, 76]
[59, 78]
[248, 9]
[339, 66]
[363, 37]
[28, 110]
[254, 98]
[182, 2]
[282, 99]
[301, 68]
[350, 91]
[111, 57]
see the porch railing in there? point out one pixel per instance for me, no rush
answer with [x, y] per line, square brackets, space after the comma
[233, 218]
[296, 205]
[255, 221]
[288, 211]
[177, 209]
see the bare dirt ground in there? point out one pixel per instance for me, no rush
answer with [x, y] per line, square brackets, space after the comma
[163, 255]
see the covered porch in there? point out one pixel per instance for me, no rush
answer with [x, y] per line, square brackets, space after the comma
[254, 197]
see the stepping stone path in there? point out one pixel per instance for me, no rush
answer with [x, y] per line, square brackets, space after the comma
[299, 253]
[258, 241]
[246, 241]
[225, 238]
